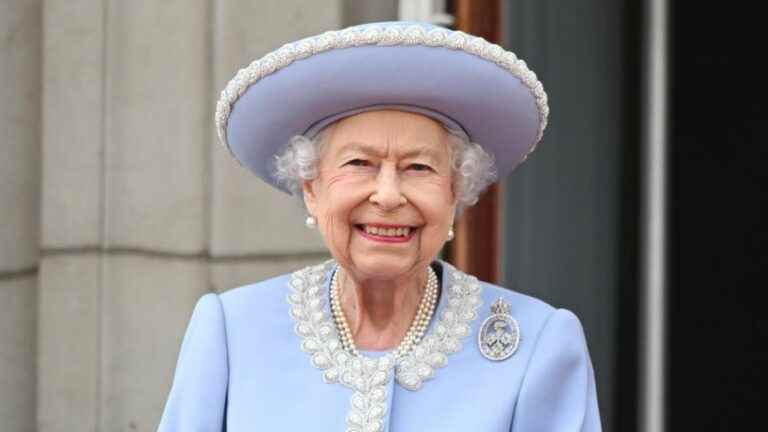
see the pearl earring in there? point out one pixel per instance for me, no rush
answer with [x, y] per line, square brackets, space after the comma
[311, 222]
[450, 234]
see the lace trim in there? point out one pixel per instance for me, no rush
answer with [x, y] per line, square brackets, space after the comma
[368, 377]
[384, 36]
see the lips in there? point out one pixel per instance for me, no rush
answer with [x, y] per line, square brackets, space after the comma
[387, 233]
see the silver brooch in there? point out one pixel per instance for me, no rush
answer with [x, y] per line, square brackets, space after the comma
[500, 335]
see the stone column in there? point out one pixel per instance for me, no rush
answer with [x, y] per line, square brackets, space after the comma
[69, 359]
[20, 65]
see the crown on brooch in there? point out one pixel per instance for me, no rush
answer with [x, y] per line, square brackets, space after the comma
[500, 307]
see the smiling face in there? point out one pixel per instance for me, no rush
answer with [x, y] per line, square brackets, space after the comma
[383, 196]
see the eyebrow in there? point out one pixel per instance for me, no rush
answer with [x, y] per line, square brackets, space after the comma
[368, 150]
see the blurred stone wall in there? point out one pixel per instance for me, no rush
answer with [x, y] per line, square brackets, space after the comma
[121, 209]
[20, 75]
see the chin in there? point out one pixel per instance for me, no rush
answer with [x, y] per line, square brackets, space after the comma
[383, 267]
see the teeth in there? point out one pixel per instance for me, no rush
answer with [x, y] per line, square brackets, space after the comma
[389, 232]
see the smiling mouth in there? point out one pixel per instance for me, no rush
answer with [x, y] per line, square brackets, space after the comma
[388, 234]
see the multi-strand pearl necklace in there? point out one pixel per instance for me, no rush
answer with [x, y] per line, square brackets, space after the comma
[415, 332]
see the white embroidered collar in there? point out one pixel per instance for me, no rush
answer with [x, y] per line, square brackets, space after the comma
[367, 377]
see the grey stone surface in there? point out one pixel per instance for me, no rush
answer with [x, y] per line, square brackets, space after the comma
[69, 353]
[364, 11]
[246, 29]
[20, 73]
[110, 330]
[247, 216]
[229, 275]
[158, 122]
[18, 347]
[147, 303]
[20, 65]
[72, 122]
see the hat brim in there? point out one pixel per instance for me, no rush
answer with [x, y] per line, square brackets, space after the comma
[494, 107]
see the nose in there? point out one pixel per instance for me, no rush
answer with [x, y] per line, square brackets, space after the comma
[387, 194]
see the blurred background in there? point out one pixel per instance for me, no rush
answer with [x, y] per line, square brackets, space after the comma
[642, 210]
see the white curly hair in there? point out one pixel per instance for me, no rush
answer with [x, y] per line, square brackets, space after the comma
[473, 167]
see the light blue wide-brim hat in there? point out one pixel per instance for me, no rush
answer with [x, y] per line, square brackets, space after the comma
[461, 80]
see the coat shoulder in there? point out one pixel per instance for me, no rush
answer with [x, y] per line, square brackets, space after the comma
[262, 290]
[268, 297]
[520, 303]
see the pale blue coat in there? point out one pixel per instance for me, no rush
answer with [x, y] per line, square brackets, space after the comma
[241, 369]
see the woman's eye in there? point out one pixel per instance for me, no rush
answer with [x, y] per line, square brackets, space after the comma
[358, 162]
[419, 167]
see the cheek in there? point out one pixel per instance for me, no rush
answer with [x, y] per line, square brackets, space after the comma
[340, 191]
[335, 229]
[341, 194]
[334, 215]
[434, 202]
[433, 197]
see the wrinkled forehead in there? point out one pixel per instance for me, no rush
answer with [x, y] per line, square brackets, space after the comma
[388, 133]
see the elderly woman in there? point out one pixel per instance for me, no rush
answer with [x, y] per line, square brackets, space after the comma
[387, 132]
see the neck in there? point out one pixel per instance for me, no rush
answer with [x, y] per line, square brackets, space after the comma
[379, 312]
